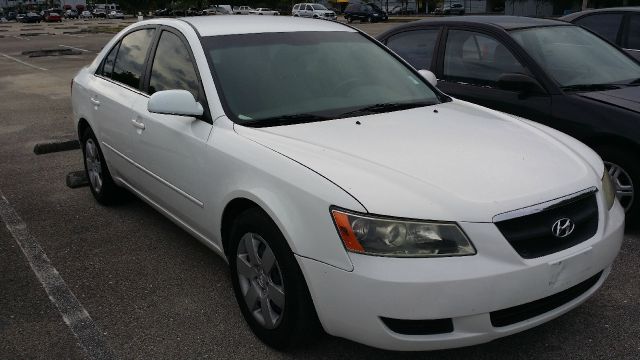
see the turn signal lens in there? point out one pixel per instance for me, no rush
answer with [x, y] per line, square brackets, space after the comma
[390, 237]
[608, 189]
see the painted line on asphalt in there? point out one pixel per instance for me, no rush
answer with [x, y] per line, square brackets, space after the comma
[74, 48]
[20, 37]
[73, 313]
[78, 36]
[22, 62]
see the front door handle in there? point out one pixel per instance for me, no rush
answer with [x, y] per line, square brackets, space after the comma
[136, 124]
[95, 102]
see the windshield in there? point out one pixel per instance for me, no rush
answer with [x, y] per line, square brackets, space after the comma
[309, 76]
[574, 56]
[318, 7]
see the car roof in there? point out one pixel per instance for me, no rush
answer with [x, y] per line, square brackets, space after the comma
[505, 22]
[229, 25]
[578, 14]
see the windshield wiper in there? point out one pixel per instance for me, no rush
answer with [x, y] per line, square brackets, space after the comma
[385, 107]
[590, 87]
[285, 120]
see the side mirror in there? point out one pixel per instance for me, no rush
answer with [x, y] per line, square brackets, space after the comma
[174, 102]
[522, 83]
[429, 76]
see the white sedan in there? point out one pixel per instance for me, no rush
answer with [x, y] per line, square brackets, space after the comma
[345, 191]
[263, 11]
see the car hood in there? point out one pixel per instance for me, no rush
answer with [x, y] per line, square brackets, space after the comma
[627, 98]
[463, 163]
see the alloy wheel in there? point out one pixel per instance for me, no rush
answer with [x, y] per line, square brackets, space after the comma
[623, 183]
[260, 280]
[94, 166]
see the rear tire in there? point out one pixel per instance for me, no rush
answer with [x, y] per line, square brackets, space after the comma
[102, 186]
[277, 290]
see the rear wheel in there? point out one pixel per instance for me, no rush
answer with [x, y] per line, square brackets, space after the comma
[269, 286]
[104, 190]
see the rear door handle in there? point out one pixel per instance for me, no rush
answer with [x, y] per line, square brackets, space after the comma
[95, 102]
[136, 124]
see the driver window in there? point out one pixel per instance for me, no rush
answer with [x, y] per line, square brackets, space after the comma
[477, 58]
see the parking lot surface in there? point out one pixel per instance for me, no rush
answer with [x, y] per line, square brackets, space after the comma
[149, 289]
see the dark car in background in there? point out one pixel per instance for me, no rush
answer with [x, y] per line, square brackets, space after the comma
[11, 15]
[30, 17]
[52, 17]
[621, 25]
[548, 71]
[364, 12]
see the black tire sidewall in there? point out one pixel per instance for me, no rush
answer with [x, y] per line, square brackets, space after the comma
[109, 192]
[297, 301]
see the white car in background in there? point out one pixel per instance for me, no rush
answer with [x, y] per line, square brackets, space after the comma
[86, 14]
[345, 191]
[263, 11]
[311, 10]
[243, 10]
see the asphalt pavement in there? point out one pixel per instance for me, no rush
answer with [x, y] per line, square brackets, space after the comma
[149, 290]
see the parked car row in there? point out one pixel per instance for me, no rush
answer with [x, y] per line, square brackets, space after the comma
[349, 192]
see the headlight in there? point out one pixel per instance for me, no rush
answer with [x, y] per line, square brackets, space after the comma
[608, 189]
[403, 238]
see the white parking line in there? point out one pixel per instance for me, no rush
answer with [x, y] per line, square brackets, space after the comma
[20, 37]
[90, 338]
[75, 48]
[78, 36]
[22, 62]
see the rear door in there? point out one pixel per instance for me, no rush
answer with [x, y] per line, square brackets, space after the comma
[170, 149]
[112, 91]
[469, 66]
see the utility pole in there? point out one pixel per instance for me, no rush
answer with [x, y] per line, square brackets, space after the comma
[585, 3]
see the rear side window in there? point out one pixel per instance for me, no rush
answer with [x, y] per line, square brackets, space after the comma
[633, 40]
[173, 67]
[416, 47]
[131, 56]
[605, 25]
[296, 7]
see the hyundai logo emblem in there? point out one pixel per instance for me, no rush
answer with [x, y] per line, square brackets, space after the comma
[563, 227]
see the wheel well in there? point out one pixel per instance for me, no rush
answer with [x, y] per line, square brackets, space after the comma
[82, 126]
[612, 141]
[230, 213]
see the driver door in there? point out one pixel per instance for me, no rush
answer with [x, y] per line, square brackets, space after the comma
[469, 67]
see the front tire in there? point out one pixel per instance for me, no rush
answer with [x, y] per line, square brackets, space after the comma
[625, 174]
[268, 284]
[102, 186]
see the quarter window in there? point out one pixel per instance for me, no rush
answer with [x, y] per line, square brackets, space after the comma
[172, 67]
[633, 40]
[129, 62]
[107, 67]
[477, 58]
[416, 47]
[605, 25]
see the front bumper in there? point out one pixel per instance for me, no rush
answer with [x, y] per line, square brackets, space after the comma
[463, 289]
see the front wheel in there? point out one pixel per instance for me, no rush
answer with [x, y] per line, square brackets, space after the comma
[269, 286]
[625, 175]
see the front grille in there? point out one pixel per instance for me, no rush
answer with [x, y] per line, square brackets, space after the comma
[531, 235]
[419, 327]
[526, 311]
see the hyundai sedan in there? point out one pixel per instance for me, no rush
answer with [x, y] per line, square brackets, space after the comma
[344, 190]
